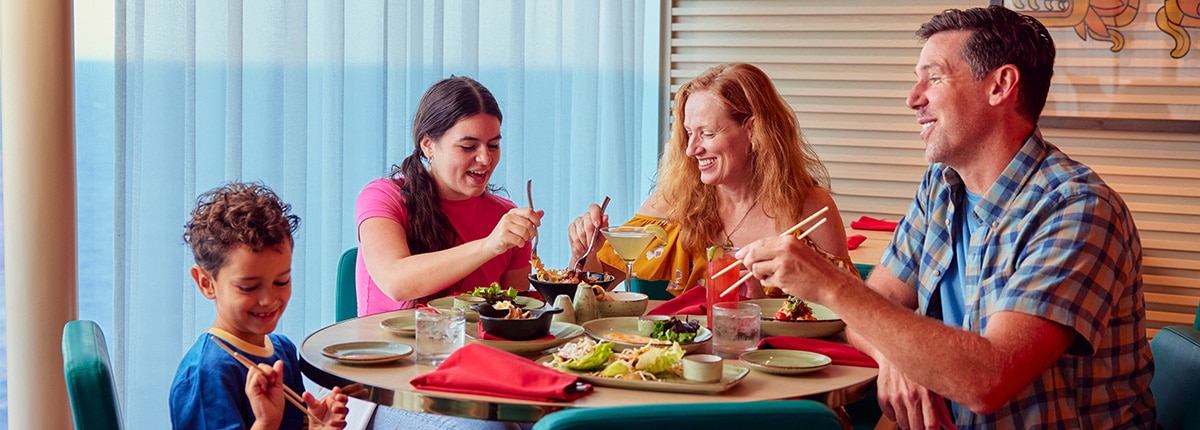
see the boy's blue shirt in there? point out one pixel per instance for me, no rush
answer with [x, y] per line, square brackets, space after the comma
[209, 391]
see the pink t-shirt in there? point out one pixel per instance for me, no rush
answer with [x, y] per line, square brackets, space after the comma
[473, 219]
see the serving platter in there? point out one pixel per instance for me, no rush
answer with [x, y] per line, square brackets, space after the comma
[623, 333]
[827, 323]
[472, 316]
[563, 332]
[730, 376]
[404, 326]
[367, 352]
[785, 362]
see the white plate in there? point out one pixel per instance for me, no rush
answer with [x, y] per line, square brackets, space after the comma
[601, 328]
[827, 323]
[730, 376]
[404, 326]
[563, 333]
[367, 352]
[785, 362]
[472, 316]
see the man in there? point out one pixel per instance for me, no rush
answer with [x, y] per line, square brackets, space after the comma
[1023, 267]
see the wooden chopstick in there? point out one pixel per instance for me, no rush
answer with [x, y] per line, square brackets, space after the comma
[748, 275]
[287, 391]
[789, 231]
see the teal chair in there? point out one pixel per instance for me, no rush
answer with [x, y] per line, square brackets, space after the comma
[89, 378]
[805, 414]
[347, 297]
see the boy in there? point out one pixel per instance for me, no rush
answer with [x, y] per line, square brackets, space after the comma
[241, 237]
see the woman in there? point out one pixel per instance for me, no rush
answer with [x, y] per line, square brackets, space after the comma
[736, 169]
[434, 228]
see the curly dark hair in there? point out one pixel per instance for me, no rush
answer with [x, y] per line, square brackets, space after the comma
[237, 213]
[1000, 36]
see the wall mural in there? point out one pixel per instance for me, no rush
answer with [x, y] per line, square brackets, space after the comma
[1101, 19]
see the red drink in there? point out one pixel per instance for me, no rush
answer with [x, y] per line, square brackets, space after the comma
[718, 285]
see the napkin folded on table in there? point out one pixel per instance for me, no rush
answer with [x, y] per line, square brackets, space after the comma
[868, 223]
[853, 241]
[691, 302]
[841, 354]
[483, 370]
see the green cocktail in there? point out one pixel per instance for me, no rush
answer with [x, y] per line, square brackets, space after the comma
[628, 242]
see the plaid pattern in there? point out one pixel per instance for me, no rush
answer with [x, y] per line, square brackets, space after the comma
[1058, 244]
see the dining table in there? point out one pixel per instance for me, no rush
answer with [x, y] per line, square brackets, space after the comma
[388, 384]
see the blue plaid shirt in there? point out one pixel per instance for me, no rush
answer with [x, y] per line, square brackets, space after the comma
[1056, 243]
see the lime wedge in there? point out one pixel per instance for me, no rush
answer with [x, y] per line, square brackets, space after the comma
[715, 252]
[657, 231]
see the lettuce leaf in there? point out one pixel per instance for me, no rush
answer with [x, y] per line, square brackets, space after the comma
[615, 370]
[658, 360]
[593, 361]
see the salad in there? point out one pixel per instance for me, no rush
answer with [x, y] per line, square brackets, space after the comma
[674, 330]
[494, 293]
[648, 363]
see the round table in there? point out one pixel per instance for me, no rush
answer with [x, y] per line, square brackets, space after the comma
[388, 384]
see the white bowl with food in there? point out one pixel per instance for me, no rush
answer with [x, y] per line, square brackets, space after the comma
[823, 323]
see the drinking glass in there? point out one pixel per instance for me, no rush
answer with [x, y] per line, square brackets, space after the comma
[628, 242]
[715, 286]
[439, 333]
[735, 328]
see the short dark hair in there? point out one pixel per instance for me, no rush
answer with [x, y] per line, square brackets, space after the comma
[234, 214]
[1000, 36]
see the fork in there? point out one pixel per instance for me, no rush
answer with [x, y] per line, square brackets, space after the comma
[529, 194]
[583, 259]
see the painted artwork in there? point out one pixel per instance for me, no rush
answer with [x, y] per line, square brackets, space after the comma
[1102, 20]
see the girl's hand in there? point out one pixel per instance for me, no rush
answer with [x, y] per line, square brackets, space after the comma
[515, 229]
[264, 388]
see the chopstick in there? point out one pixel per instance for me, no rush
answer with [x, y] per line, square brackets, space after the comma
[789, 231]
[287, 391]
[748, 275]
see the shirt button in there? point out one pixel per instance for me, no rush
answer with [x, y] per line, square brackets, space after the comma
[937, 272]
[995, 224]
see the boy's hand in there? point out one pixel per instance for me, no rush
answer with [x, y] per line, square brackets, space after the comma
[332, 409]
[264, 388]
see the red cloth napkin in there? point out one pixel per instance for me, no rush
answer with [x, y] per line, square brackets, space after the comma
[853, 241]
[868, 223]
[841, 354]
[483, 335]
[691, 302]
[483, 370]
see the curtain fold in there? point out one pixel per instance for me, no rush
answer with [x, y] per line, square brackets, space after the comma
[315, 99]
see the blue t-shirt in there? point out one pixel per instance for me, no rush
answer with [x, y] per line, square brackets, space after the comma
[209, 391]
[954, 284]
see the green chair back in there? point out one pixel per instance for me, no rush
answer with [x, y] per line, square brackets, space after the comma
[655, 290]
[805, 414]
[1176, 383]
[1196, 322]
[347, 297]
[89, 378]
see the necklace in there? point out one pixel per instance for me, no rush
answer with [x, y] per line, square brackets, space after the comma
[729, 233]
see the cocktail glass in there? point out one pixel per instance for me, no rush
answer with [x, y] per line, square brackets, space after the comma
[628, 242]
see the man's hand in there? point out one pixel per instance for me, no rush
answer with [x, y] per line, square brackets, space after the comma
[909, 404]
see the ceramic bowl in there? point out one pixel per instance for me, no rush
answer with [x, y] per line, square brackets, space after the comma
[534, 327]
[623, 304]
[549, 290]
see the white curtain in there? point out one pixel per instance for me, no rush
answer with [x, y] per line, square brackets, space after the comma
[315, 99]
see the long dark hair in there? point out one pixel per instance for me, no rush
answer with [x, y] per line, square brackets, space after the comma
[442, 106]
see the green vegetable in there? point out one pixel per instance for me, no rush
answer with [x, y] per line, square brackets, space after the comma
[592, 361]
[658, 360]
[616, 369]
[494, 293]
[674, 330]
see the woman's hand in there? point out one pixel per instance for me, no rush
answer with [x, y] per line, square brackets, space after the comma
[264, 388]
[580, 232]
[331, 410]
[516, 228]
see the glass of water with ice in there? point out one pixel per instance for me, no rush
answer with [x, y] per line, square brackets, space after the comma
[439, 333]
[735, 328]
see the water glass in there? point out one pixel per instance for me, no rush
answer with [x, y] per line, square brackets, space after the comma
[439, 333]
[735, 328]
